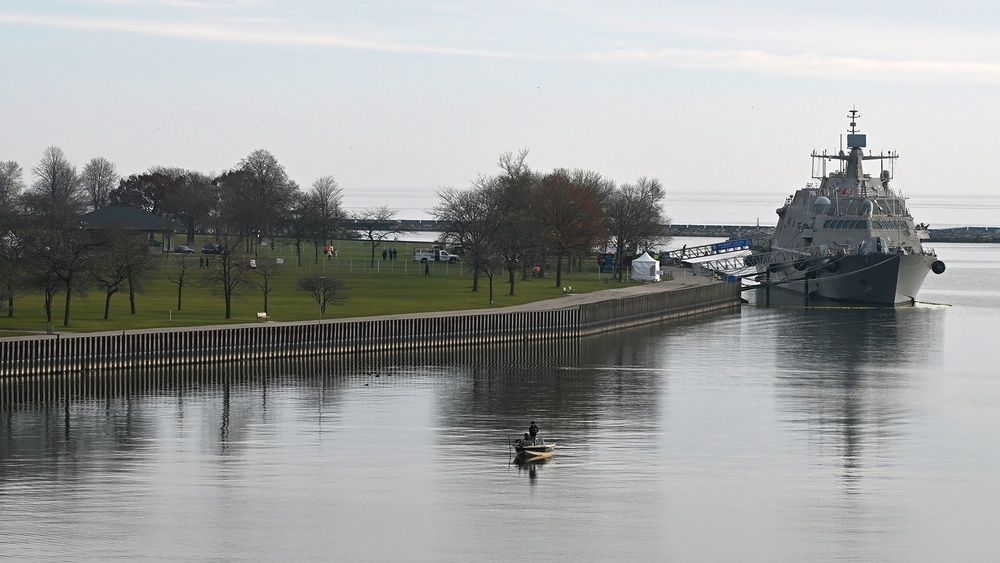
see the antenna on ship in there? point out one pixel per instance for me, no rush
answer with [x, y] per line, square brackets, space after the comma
[853, 115]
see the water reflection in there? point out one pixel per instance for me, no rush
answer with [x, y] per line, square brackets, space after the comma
[841, 371]
[665, 427]
[113, 409]
[531, 466]
[141, 380]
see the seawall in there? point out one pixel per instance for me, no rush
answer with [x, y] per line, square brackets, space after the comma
[565, 318]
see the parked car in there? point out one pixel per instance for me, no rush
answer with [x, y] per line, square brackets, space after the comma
[211, 249]
[434, 255]
[181, 249]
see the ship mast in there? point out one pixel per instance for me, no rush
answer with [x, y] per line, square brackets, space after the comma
[855, 142]
[851, 169]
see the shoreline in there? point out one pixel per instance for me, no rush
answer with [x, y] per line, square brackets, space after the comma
[564, 318]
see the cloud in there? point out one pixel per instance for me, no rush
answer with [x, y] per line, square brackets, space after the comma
[806, 65]
[271, 31]
[232, 32]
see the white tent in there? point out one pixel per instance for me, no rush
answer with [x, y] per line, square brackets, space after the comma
[646, 268]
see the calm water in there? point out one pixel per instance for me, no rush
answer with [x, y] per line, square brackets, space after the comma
[762, 435]
[710, 208]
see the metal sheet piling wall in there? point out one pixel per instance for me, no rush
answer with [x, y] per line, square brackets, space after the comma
[204, 345]
[616, 314]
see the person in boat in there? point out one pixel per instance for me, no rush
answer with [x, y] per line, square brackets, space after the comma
[532, 431]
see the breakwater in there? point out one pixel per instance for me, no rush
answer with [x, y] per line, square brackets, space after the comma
[957, 234]
[61, 354]
[966, 234]
[961, 234]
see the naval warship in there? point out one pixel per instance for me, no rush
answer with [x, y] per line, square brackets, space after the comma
[848, 237]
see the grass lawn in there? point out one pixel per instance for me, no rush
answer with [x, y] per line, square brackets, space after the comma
[390, 287]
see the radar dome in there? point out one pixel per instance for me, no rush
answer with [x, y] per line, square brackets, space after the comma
[822, 203]
[866, 207]
[885, 178]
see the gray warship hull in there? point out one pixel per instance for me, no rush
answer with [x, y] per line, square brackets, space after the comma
[873, 279]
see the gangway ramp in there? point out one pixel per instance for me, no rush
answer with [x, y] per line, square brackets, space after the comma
[739, 265]
[687, 254]
[730, 257]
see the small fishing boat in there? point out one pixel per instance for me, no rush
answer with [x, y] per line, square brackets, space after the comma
[529, 449]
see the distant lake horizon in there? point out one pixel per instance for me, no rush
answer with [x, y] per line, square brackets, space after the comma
[718, 208]
[750, 208]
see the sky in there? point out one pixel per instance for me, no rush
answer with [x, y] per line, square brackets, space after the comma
[397, 99]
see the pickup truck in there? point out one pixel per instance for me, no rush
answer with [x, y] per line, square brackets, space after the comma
[434, 255]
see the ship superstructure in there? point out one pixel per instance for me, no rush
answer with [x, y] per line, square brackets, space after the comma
[850, 236]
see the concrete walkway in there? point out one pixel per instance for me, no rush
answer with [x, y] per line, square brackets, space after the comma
[682, 279]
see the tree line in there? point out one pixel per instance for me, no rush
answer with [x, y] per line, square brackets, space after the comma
[509, 222]
[514, 221]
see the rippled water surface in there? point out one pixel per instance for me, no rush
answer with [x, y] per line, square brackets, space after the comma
[765, 434]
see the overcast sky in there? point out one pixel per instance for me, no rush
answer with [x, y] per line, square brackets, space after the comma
[398, 99]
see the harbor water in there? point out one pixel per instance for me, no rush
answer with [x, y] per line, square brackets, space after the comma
[766, 434]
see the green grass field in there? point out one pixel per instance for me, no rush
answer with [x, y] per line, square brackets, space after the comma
[390, 287]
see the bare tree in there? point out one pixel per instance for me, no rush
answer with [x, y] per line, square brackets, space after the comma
[139, 266]
[326, 198]
[600, 187]
[112, 263]
[513, 192]
[12, 243]
[326, 291]
[635, 219]
[302, 225]
[228, 271]
[55, 195]
[468, 222]
[179, 276]
[375, 225]
[98, 178]
[491, 220]
[11, 184]
[63, 255]
[263, 277]
[489, 258]
[45, 280]
[268, 191]
[13, 269]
